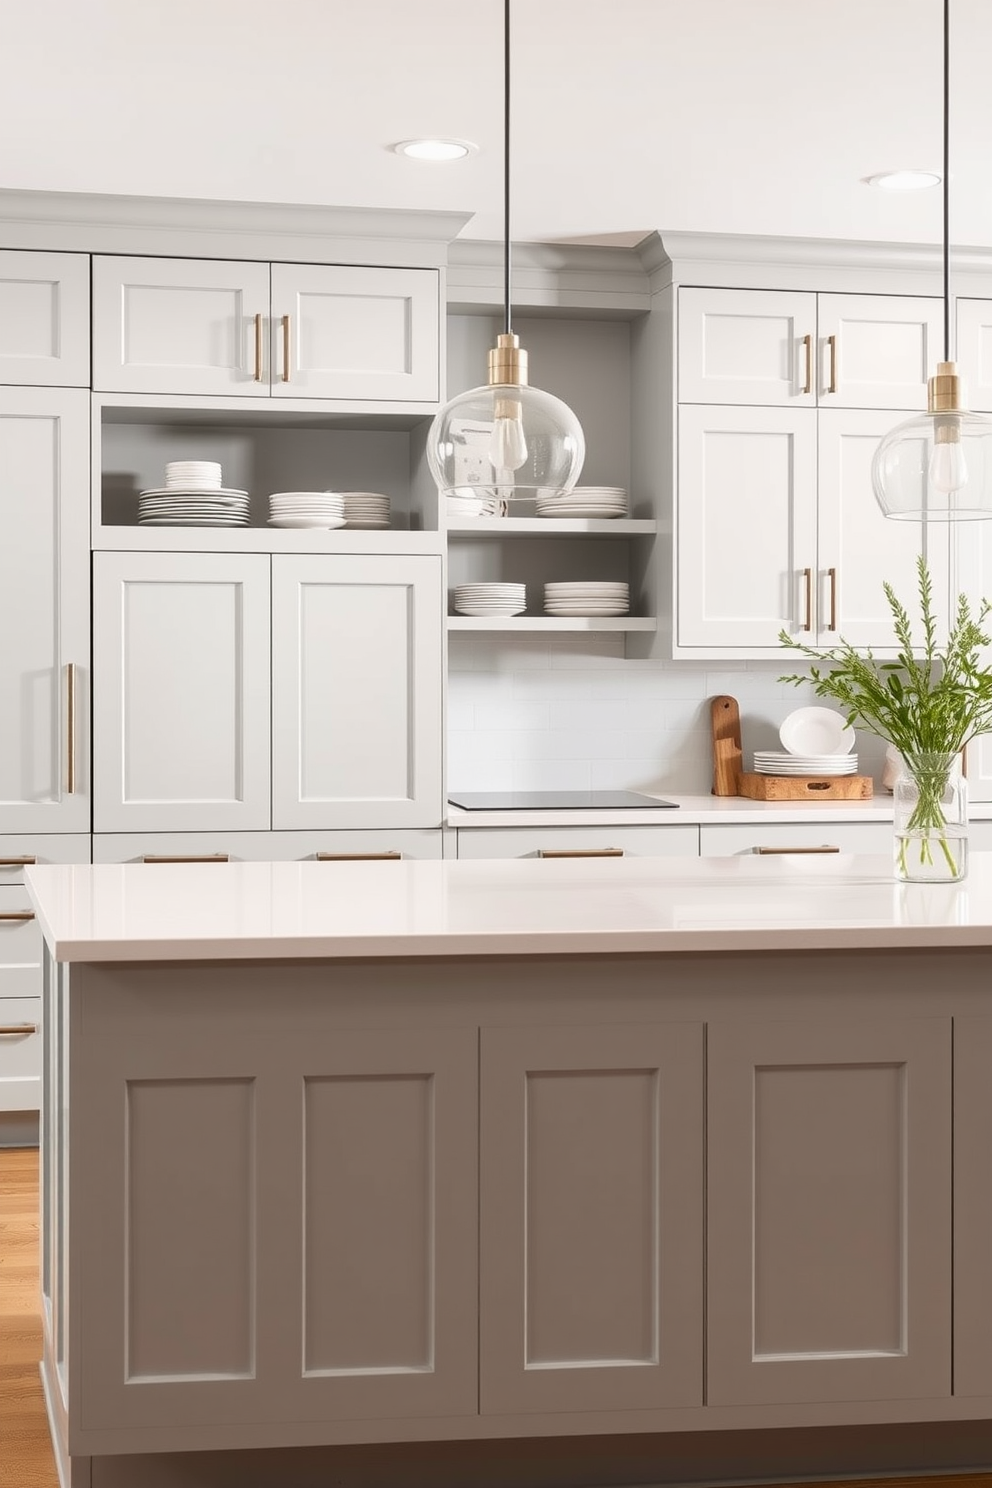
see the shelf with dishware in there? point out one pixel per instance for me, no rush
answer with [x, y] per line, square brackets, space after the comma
[238, 478]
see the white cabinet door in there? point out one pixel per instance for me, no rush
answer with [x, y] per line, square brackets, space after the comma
[858, 549]
[45, 318]
[44, 610]
[745, 527]
[355, 333]
[181, 705]
[173, 325]
[974, 348]
[747, 346]
[877, 351]
[356, 691]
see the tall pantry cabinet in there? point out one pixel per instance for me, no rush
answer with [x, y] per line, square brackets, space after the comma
[44, 621]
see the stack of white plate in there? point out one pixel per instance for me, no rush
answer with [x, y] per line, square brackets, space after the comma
[365, 509]
[585, 501]
[490, 599]
[587, 598]
[200, 475]
[193, 497]
[779, 762]
[306, 509]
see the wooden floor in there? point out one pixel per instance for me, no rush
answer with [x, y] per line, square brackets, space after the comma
[26, 1459]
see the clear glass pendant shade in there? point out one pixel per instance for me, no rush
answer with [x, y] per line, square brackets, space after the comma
[936, 467]
[510, 442]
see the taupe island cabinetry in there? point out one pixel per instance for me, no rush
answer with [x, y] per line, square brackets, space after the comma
[550, 1171]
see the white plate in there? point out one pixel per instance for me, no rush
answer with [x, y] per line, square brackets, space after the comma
[816, 731]
[192, 490]
[327, 522]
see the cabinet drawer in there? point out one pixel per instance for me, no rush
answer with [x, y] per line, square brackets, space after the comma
[264, 847]
[20, 948]
[530, 842]
[20, 1053]
[847, 837]
[22, 851]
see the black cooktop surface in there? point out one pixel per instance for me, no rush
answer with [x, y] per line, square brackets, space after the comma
[575, 800]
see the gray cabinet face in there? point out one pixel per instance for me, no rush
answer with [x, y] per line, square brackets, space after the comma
[828, 1211]
[972, 1206]
[591, 1209]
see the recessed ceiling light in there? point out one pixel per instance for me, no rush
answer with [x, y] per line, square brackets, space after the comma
[435, 149]
[903, 180]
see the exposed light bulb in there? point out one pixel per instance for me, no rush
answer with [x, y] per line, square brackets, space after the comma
[948, 468]
[508, 446]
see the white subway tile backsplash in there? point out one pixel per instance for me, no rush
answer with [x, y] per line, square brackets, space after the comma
[549, 775]
[513, 712]
[567, 744]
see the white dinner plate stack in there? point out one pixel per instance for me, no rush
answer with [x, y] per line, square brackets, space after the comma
[490, 599]
[587, 598]
[365, 509]
[306, 509]
[193, 497]
[585, 501]
[779, 762]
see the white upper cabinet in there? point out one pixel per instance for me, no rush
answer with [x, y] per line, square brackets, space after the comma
[44, 319]
[747, 346]
[355, 333]
[174, 325]
[44, 610]
[877, 351]
[181, 698]
[193, 327]
[778, 347]
[356, 691]
[974, 352]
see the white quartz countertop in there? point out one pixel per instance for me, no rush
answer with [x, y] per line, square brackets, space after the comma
[295, 910]
[699, 811]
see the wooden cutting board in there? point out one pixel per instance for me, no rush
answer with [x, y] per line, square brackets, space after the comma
[728, 762]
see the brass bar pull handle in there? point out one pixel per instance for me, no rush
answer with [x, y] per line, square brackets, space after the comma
[185, 858]
[24, 862]
[17, 1030]
[580, 852]
[17, 914]
[808, 591]
[70, 729]
[258, 348]
[357, 857]
[285, 348]
[771, 852]
[832, 576]
[808, 384]
[832, 384]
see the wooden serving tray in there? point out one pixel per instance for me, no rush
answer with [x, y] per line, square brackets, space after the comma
[805, 787]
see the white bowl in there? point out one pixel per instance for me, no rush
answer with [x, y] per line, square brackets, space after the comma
[816, 731]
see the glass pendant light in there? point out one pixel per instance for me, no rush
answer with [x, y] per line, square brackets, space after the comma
[937, 467]
[505, 441]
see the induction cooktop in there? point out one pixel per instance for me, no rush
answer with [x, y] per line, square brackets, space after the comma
[574, 800]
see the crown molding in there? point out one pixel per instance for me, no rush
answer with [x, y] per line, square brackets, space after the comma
[91, 222]
[548, 276]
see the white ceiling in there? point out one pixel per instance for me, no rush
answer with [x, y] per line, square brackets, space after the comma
[751, 116]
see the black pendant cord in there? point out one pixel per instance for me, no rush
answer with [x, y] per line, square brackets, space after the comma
[506, 166]
[947, 179]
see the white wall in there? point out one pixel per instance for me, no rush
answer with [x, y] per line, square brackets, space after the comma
[526, 714]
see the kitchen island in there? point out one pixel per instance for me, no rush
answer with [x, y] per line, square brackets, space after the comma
[553, 1171]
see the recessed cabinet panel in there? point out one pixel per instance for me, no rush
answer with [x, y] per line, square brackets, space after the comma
[20, 1053]
[972, 1205]
[747, 346]
[45, 319]
[591, 1206]
[877, 351]
[746, 533]
[974, 352]
[171, 325]
[355, 333]
[181, 716]
[853, 535]
[356, 691]
[828, 1211]
[44, 610]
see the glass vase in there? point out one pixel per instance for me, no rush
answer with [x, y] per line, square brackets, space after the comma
[930, 814]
